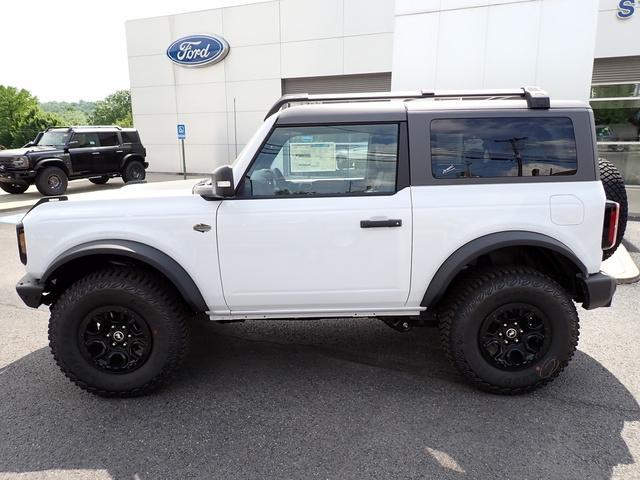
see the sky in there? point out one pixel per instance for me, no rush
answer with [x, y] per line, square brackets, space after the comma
[76, 49]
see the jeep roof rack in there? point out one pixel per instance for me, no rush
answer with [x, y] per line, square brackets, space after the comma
[536, 97]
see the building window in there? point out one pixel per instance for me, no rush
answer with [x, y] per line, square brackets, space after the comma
[616, 108]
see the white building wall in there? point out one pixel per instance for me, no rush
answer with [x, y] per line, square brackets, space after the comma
[617, 37]
[268, 41]
[471, 44]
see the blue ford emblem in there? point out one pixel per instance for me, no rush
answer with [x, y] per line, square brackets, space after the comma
[196, 50]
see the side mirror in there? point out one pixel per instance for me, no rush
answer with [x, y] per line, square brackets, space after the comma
[222, 179]
[72, 143]
[220, 186]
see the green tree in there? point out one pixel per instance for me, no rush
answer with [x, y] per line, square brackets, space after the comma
[70, 113]
[113, 110]
[21, 117]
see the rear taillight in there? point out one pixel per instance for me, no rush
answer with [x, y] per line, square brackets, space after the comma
[22, 243]
[610, 230]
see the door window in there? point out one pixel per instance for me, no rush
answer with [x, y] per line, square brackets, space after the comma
[108, 139]
[325, 160]
[84, 140]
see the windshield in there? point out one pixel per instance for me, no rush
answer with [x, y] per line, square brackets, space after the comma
[54, 138]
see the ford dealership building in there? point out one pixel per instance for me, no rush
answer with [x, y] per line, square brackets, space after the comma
[218, 71]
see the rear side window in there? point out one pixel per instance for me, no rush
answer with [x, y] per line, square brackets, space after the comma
[502, 147]
[108, 139]
[130, 137]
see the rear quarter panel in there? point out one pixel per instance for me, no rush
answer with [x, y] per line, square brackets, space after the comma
[449, 216]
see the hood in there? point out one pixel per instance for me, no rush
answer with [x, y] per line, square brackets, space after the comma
[16, 152]
[141, 191]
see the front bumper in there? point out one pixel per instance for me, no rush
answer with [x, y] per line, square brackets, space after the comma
[30, 291]
[23, 177]
[598, 290]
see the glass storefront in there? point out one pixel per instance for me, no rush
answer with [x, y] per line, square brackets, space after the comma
[616, 108]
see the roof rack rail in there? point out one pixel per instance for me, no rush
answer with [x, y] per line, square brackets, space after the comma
[84, 126]
[536, 97]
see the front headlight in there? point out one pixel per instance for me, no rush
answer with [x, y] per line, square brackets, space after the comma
[21, 162]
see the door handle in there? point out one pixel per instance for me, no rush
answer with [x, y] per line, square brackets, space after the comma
[118, 151]
[95, 153]
[380, 223]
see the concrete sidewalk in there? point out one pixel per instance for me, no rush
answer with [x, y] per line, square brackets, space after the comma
[14, 202]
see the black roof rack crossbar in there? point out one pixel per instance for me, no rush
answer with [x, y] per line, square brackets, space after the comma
[536, 98]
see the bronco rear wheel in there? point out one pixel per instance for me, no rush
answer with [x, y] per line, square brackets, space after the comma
[119, 332]
[133, 171]
[509, 330]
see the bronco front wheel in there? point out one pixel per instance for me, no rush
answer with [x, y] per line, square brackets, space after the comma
[119, 332]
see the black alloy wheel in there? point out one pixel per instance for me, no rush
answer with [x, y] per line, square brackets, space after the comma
[514, 336]
[115, 339]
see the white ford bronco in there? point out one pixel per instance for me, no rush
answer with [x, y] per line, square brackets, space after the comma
[483, 212]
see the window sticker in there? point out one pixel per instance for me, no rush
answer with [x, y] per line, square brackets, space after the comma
[313, 157]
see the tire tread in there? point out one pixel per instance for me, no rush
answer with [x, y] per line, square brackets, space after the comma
[138, 282]
[459, 295]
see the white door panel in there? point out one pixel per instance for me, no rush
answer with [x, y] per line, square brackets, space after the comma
[311, 253]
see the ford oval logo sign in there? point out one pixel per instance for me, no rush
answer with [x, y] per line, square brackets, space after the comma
[198, 50]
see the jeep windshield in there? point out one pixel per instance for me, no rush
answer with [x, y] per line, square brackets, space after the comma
[54, 139]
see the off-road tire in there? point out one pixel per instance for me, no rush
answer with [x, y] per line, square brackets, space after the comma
[99, 180]
[151, 298]
[615, 191]
[133, 171]
[51, 181]
[476, 296]
[14, 187]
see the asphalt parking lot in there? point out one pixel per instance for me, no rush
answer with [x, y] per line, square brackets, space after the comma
[330, 399]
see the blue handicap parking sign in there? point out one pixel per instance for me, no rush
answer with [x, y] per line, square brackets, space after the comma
[182, 131]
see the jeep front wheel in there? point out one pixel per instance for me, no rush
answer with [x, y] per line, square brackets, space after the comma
[52, 181]
[119, 332]
[14, 187]
[133, 171]
[509, 330]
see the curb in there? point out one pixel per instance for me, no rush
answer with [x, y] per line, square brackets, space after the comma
[622, 267]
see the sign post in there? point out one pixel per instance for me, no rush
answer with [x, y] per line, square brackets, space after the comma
[182, 134]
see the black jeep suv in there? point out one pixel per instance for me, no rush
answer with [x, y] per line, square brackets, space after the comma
[60, 154]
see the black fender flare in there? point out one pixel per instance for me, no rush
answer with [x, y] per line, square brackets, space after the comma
[53, 162]
[488, 243]
[131, 156]
[141, 252]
